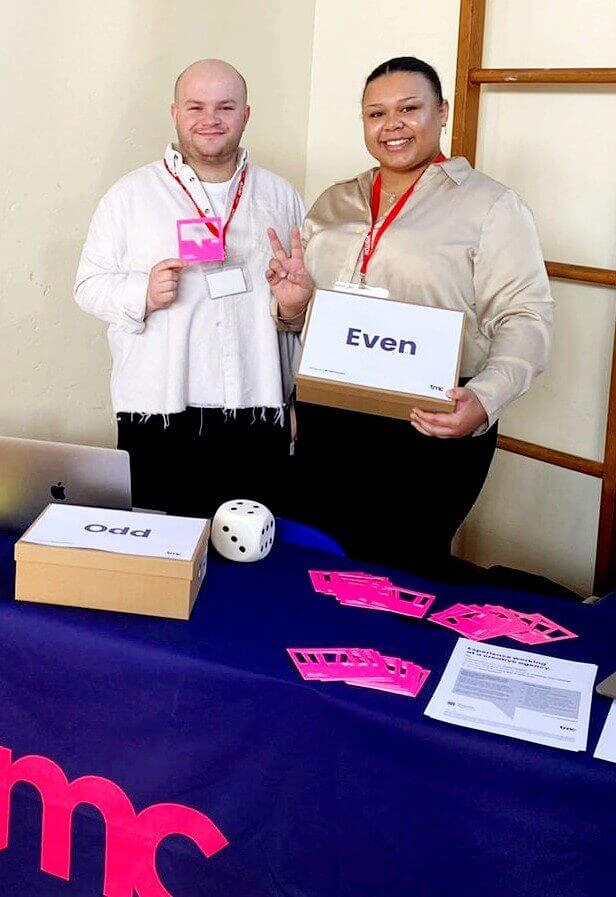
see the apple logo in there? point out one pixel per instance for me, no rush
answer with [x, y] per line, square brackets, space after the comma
[58, 492]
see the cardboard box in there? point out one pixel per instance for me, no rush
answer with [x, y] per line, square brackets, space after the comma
[57, 565]
[360, 353]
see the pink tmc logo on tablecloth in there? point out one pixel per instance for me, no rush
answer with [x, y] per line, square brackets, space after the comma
[131, 838]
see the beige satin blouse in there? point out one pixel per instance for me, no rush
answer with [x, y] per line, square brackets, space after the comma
[463, 241]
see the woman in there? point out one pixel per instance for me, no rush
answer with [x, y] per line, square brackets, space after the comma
[389, 490]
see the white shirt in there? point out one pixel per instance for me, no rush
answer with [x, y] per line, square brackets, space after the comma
[222, 353]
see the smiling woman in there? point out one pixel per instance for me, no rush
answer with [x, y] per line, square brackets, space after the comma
[431, 231]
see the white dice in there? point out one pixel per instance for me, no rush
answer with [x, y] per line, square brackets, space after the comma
[243, 530]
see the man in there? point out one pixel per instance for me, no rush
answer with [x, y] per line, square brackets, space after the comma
[200, 375]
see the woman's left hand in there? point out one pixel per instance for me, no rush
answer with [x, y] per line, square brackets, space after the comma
[468, 417]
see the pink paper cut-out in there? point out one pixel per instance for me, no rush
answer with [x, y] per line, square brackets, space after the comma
[337, 664]
[325, 581]
[201, 239]
[363, 590]
[390, 598]
[474, 624]
[406, 678]
[541, 631]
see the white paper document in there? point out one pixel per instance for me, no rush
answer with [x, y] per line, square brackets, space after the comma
[606, 746]
[517, 693]
[121, 532]
[382, 344]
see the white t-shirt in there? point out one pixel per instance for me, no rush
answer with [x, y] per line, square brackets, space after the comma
[217, 195]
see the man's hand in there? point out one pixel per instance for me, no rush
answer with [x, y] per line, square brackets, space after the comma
[468, 416]
[290, 282]
[163, 284]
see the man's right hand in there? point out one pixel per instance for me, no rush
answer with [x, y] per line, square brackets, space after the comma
[163, 284]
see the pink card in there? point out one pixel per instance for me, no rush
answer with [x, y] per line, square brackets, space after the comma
[401, 601]
[338, 664]
[406, 678]
[326, 581]
[201, 239]
[475, 624]
[541, 631]
[375, 592]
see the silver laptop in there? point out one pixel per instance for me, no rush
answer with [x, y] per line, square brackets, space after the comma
[34, 474]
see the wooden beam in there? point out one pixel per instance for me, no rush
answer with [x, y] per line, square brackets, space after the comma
[466, 102]
[564, 271]
[551, 456]
[479, 76]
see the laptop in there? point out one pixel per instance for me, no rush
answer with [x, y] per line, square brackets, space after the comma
[34, 474]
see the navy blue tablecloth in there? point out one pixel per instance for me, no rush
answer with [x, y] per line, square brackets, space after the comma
[322, 790]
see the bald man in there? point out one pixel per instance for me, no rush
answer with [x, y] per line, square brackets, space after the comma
[200, 378]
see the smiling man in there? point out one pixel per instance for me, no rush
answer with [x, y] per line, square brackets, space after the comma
[200, 375]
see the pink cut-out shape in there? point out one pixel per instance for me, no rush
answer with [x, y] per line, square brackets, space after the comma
[131, 840]
[441, 614]
[337, 664]
[389, 598]
[406, 678]
[374, 592]
[324, 581]
[514, 624]
[474, 624]
[541, 631]
[201, 239]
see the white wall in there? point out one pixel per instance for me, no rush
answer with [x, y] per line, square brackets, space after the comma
[86, 95]
[351, 38]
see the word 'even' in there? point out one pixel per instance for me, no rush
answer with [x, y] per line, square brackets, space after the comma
[357, 337]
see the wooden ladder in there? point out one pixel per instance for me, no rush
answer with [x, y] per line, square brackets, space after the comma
[469, 78]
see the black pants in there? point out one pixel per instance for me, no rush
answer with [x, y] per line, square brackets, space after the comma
[204, 457]
[387, 493]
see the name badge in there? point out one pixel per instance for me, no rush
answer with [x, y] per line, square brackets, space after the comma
[201, 240]
[227, 282]
[361, 289]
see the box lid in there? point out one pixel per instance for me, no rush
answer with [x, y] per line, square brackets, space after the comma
[107, 539]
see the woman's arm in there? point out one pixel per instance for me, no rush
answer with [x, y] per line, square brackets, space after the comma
[514, 304]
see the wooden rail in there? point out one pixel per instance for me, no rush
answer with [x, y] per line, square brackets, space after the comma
[551, 456]
[541, 76]
[562, 271]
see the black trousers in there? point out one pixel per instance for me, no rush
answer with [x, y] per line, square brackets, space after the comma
[191, 462]
[387, 493]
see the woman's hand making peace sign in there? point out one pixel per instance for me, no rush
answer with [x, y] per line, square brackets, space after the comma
[290, 283]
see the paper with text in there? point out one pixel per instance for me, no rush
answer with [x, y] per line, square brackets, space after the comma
[606, 746]
[528, 696]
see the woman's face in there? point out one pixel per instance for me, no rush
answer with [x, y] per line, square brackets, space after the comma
[402, 120]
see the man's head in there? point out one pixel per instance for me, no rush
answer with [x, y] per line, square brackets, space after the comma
[210, 111]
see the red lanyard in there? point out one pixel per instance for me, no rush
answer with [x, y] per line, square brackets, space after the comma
[211, 227]
[373, 239]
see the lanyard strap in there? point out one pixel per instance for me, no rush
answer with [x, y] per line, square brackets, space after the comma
[373, 238]
[212, 227]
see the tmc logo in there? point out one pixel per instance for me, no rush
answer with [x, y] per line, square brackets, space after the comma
[131, 838]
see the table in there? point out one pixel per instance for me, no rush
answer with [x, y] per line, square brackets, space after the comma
[322, 790]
